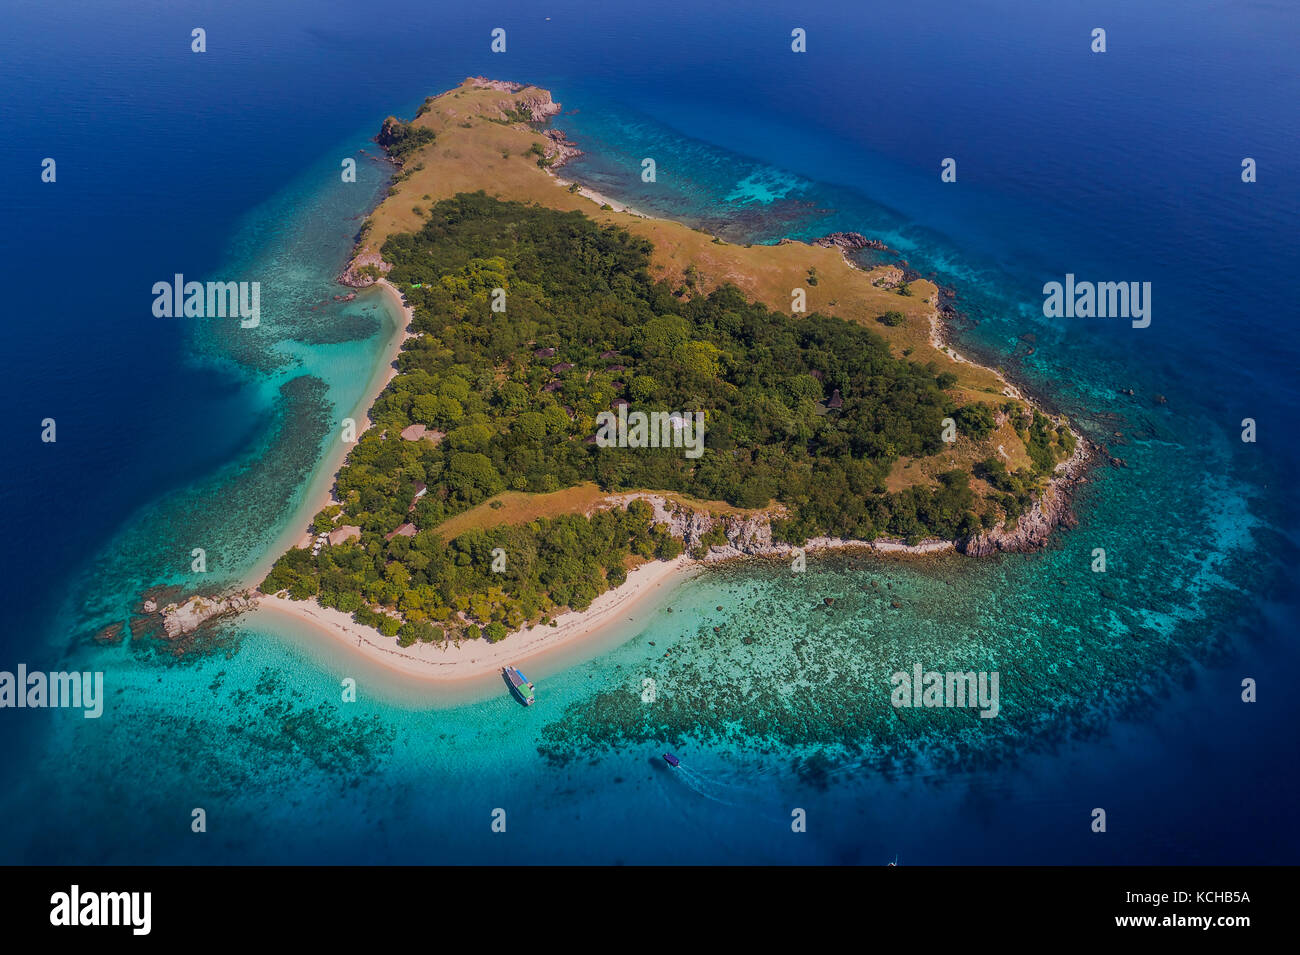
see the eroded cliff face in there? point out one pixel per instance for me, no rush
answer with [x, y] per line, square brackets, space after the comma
[1034, 527]
[538, 102]
[561, 148]
[540, 106]
[751, 535]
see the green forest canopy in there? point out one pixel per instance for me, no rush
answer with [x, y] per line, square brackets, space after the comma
[515, 395]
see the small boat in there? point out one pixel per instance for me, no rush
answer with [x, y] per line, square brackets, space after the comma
[895, 862]
[671, 760]
[519, 683]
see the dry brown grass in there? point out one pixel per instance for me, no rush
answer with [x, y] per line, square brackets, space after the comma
[520, 507]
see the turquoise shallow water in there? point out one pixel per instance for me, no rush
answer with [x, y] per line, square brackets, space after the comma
[304, 368]
[1118, 690]
[775, 702]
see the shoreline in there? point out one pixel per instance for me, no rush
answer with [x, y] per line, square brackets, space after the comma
[448, 663]
[470, 660]
[597, 197]
[320, 492]
[1052, 504]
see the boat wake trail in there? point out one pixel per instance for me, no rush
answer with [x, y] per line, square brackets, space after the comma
[715, 789]
[702, 785]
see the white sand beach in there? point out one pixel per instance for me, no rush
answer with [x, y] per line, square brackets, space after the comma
[446, 663]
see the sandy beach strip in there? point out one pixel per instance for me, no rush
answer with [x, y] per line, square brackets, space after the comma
[320, 492]
[448, 662]
[599, 198]
[404, 335]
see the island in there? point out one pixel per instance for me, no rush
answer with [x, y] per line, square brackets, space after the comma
[478, 519]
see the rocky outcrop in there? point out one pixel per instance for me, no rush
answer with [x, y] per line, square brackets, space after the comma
[851, 242]
[561, 149]
[888, 276]
[188, 615]
[751, 535]
[1030, 532]
[1032, 529]
[540, 107]
[364, 270]
[503, 86]
[745, 535]
[110, 635]
[538, 102]
[391, 133]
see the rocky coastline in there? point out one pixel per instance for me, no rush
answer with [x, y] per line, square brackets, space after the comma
[750, 535]
[561, 148]
[746, 536]
[852, 242]
[185, 617]
[364, 270]
[540, 106]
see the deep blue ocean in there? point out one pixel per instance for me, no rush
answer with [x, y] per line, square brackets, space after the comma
[1122, 693]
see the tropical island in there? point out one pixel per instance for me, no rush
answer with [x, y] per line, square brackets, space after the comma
[478, 502]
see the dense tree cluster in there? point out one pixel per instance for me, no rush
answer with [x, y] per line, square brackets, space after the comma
[400, 138]
[811, 412]
[442, 588]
